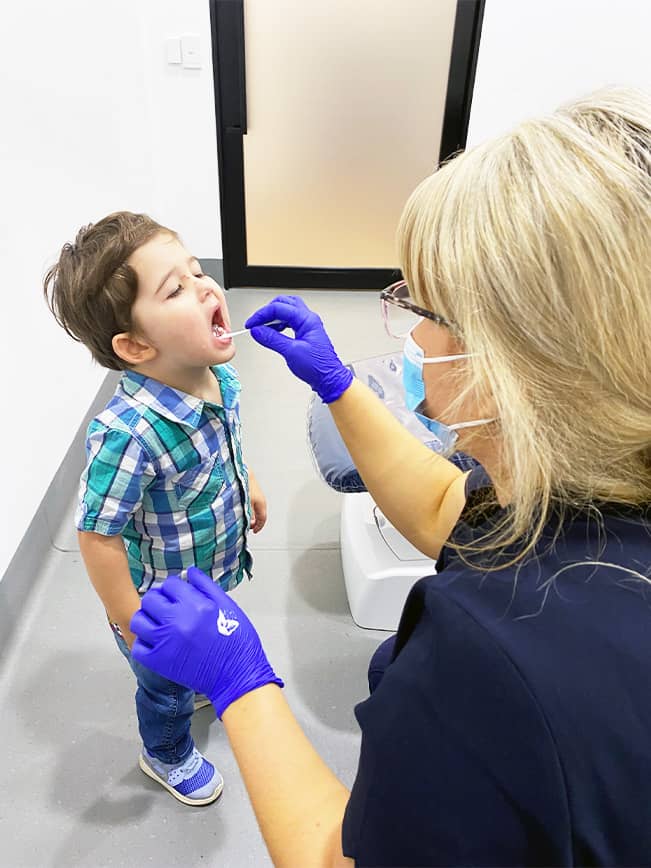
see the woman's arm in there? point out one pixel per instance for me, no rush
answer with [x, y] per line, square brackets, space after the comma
[420, 492]
[108, 569]
[298, 801]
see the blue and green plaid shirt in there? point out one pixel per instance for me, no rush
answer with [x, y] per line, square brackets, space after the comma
[165, 471]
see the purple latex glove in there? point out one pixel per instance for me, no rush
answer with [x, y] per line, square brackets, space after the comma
[194, 634]
[310, 354]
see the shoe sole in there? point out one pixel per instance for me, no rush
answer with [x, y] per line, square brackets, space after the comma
[181, 798]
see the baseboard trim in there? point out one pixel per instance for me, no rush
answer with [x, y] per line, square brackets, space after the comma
[19, 578]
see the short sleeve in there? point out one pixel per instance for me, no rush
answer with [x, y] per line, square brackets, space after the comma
[118, 471]
[480, 506]
[457, 766]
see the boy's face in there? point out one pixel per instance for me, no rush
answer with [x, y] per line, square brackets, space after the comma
[179, 311]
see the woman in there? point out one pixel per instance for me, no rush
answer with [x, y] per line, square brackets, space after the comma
[511, 725]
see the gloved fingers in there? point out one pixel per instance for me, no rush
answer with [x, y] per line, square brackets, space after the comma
[144, 627]
[205, 584]
[262, 315]
[157, 605]
[284, 308]
[142, 652]
[293, 300]
[171, 588]
[273, 340]
[184, 601]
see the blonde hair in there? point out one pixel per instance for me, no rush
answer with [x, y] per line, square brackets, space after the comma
[538, 246]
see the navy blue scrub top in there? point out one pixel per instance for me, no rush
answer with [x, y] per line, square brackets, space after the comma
[513, 725]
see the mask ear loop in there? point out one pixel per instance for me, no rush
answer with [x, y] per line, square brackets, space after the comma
[454, 358]
[435, 359]
[457, 426]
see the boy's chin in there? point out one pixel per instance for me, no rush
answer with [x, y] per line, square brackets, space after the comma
[224, 354]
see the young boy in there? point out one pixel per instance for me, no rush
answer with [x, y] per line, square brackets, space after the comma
[165, 485]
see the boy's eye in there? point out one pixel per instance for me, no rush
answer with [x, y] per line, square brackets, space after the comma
[199, 275]
[176, 291]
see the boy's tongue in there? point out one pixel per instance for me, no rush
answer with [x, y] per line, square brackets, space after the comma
[218, 328]
[218, 332]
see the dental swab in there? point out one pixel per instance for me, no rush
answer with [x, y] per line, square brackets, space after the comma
[244, 331]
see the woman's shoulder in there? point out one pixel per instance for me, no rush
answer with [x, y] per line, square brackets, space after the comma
[584, 561]
[566, 621]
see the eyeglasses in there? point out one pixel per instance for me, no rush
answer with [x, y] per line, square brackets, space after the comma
[400, 314]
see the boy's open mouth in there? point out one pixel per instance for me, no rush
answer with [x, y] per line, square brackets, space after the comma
[218, 325]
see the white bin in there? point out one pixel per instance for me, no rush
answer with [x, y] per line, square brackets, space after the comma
[380, 565]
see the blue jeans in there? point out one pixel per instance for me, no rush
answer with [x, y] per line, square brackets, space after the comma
[164, 711]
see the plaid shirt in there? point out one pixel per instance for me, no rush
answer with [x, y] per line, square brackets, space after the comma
[165, 470]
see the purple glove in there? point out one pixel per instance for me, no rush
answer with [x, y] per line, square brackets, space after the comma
[194, 634]
[310, 354]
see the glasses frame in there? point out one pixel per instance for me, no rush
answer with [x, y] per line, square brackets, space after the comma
[387, 296]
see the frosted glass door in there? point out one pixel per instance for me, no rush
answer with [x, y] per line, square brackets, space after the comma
[345, 103]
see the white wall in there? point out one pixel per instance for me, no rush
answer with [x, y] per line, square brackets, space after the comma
[94, 120]
[74, 146]
[182, 125]
[536, 54]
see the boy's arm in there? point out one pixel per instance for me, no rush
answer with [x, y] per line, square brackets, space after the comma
[258, 504]
[108, 568]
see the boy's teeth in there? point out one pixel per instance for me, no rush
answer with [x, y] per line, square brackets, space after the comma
[218, 330]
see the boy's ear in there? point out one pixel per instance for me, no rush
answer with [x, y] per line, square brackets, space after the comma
[131, 349]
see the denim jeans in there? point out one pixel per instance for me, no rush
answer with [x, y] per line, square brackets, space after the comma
[164, 711]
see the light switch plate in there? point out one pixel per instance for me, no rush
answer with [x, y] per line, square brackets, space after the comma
[173, 50]
[191, 52]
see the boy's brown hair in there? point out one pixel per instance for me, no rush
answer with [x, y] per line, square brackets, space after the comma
[91, 289]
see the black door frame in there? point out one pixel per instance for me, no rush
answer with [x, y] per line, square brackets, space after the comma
[227, 34]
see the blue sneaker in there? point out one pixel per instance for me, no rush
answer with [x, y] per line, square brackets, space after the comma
[193, 782]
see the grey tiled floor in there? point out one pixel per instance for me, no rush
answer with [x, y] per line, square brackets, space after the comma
[72, 793]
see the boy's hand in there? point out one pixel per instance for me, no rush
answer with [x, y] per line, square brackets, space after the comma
[127, 635]
[258, 505]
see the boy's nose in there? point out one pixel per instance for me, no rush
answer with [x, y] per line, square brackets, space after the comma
[205, 292]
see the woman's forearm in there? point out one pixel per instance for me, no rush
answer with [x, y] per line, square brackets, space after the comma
[298, 801]
[420, 492]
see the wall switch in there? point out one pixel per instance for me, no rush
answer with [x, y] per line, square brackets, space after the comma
[173, 50]
[191, 52]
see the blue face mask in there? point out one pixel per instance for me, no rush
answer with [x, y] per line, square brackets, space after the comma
[445, 436]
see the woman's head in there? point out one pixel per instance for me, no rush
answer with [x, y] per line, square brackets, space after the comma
[538, 245]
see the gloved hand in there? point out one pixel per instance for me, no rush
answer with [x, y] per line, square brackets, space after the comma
[310, 354]
[194, 634]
